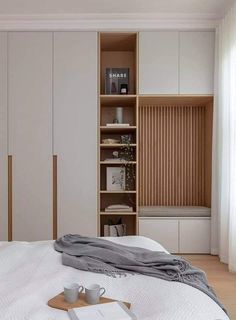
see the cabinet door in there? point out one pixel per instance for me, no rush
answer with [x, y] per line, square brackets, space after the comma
[195, 235]
[163, 231]
[197, 55]
[3, 136]
[30, 133]
[75, 130]
[158, 62]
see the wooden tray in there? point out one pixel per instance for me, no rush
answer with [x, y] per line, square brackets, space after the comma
[59, 302]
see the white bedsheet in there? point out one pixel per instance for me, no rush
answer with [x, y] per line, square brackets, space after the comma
[32, 273]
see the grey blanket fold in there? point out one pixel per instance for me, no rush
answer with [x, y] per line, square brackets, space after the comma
[103, 256]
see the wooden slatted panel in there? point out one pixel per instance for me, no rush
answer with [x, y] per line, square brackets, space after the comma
[171, 155]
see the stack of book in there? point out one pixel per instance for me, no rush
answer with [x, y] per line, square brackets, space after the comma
[117, 125]
[119, 208]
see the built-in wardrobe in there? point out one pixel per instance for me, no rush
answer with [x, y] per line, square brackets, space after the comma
[48, 134]
[53, 116]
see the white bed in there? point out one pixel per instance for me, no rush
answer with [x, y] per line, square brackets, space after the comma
[32, 273]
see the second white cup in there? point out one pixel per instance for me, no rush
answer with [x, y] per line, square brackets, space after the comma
[93, 293]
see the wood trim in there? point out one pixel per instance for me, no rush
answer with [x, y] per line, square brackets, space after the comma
[54, 197]
[10, 211]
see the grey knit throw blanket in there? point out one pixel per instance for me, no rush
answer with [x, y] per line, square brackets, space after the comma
[103, 256]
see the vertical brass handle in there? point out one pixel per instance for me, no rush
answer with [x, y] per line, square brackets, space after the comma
[9, 197]
[54, 197]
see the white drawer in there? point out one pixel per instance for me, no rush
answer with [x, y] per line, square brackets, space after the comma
[163, 231]
[194, 235]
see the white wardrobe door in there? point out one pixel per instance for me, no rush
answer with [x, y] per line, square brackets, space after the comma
[75, 130]
[30, 133]
[3, 137]
[158, 62]
[197, 55]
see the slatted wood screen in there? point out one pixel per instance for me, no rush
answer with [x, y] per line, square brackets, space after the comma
[171, 155]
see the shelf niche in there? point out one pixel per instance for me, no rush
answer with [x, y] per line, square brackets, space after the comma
[118, 50]
[175, 150]
[129, 220]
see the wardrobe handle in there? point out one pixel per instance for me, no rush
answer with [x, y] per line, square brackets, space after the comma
[54, 197]
[9, 197]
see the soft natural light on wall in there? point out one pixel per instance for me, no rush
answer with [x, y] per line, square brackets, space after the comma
[224, 150]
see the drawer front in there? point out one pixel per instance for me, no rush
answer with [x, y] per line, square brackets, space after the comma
[195, 236]
[163, 231]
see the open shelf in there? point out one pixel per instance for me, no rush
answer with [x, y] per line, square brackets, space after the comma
[108, 99]
[116, 145]
[128, 219]
[118, 213]
[118, 129]
[109, 106]
[118, 50]
[107, 199]
[117, 162]
[123, 191]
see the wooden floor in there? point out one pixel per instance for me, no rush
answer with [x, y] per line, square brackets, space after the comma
[223, 282]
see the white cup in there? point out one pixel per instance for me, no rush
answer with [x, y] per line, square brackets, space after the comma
[93, 293]
[72, 291]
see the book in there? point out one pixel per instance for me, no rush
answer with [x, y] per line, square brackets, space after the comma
[114, 78]
[117, 125]
[119, 210]
[115, 160]
[106, 311]
[118, 206]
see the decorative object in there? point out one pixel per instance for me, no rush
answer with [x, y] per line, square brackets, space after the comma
[117, 229]
[126, 139]
[115, 154]
[114, 78]
[115, 178]
[110, 141]
[119, 114]
[123, 88]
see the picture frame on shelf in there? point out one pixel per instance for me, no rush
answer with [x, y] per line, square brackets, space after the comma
[115, 179]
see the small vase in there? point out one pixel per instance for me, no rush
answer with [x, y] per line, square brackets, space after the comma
[119, 114]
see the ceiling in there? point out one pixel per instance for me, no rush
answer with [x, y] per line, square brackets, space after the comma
[214, 8]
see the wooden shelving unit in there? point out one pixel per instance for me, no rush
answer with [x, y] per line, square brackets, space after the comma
[118, 50]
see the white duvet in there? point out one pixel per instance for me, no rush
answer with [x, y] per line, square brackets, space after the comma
[32, 273]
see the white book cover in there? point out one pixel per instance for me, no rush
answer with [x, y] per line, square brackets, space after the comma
[106, 311]
[118, 125]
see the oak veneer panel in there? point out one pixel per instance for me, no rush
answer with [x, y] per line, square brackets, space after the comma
[30, 133]
[3, 137]
[208, 152]
[116, 41]
[174, 155]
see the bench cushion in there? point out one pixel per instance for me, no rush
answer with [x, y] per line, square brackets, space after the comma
[174, 211]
